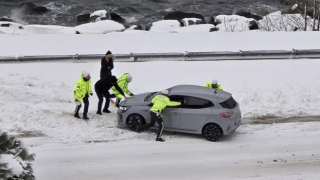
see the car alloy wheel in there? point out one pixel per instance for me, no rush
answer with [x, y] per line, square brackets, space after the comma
[212, 132]
[134, 120]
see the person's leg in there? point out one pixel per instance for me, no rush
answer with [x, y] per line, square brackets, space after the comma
[100, 97]
[86, 107]
[107, 104]
[118, 102]
[161, 126]
[76, 111]
[153, 116]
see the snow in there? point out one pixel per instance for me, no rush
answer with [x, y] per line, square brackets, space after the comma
[100, 27]
[12, 163]
[37, 98]
[231, 18]
[164, 26]
[100, 13]
[148, 42]
[285, 22]
[201, 28]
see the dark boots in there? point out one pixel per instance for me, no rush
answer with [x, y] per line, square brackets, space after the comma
[106, 111]
[160, 139]
[118, 102]
[76, 112]
[85, 117]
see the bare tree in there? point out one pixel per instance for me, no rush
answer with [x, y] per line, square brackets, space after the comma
[314, 15]
[305, 15]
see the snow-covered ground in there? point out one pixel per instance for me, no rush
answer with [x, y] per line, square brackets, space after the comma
[37, 98]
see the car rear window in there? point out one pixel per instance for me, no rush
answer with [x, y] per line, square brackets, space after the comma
[229, 103]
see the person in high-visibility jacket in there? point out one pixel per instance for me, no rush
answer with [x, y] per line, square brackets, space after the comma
[82, 90]
[160, 102]
[123, 83]
[214, 84]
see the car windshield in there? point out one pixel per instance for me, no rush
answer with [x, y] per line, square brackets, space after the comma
[148, 97]
[229, 103]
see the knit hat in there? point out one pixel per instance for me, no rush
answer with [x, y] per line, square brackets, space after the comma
[129, 78]
[214, 81]
[109, 52]
[165, 92]
[86, 74]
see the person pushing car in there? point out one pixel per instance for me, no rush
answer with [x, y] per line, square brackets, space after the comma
[160, 102]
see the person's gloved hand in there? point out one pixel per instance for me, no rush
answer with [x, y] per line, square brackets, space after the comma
[131, 94]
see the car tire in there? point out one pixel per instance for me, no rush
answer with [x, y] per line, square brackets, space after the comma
[212, 132]
[133, 121]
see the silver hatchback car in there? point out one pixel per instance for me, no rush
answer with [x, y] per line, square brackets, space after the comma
[209, 112]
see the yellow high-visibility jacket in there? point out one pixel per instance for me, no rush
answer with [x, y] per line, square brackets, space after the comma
[209, 85]
[123, 84]
[82, 88]
[160, 102]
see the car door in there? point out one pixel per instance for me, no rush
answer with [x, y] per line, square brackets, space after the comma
[172, 114]
[195, 113]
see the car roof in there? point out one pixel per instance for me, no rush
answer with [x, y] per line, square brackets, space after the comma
[199, 91]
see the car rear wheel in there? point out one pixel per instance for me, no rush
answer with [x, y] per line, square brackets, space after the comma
[134, 120]
[212, 132]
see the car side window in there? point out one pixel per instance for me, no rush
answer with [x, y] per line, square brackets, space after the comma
[176, 98]
[198, 103]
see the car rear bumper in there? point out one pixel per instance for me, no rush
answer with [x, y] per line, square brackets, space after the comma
[233, 125]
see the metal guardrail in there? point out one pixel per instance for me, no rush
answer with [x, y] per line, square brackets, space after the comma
[187, 56]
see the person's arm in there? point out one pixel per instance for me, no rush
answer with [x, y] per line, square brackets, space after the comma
[77, 92]
[111, 63]
[119, 89]
[172, 103]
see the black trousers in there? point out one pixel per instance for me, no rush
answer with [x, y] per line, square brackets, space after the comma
[86, 106]
[154, 118]
[106, 105]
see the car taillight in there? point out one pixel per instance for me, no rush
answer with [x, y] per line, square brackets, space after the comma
[225, 114]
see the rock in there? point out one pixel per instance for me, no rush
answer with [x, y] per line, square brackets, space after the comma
[288, 2]
[83, 18]
[253, 25]
[179, 15]
[190, 21]
[148, 27]
[39, 10]
[138, 27]
[214, 29]
[6, 19]
[30, 8]
[248, 15]
[117, 18]
[5, 25]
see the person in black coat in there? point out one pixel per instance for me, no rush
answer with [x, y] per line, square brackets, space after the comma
[102, 87]
[107, 65]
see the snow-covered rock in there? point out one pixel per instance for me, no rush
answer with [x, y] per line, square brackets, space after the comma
[233, 26]
[285, 22]
[231, 18]
[164, 26]
[100, 13]
[100, 27]
[200, 28]
[191, 21]
[49, 29]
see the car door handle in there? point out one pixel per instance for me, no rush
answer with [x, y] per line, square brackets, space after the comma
[175, 113]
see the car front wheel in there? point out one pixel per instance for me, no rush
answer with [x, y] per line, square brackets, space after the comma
[134, 120]
[212, 132]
